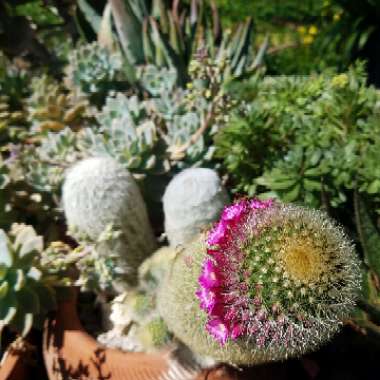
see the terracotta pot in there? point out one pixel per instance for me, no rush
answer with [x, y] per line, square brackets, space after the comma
[70, 353]
[15, 364]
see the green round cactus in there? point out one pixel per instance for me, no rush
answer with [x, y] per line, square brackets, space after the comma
[99, 192]
[269, 282]
[25, 293]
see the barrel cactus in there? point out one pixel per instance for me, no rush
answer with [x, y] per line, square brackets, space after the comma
[193, 199]
[99, 192]
[268, 282]
[26, 294]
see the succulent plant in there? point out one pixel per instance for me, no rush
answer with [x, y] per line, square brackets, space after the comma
[45, 164]
[12, 122]
[52, 108]
[136, 324]
[157, 81]
[26, 294]
[128, 134]
[99, 192]
[193, 199]
[94, 70]
[270, 281]
[152, 137]
[167, 34]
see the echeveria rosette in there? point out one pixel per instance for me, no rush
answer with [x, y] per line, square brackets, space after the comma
[269, 281]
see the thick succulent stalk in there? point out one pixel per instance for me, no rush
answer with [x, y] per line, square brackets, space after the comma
[193, 199]
[268, 282]
[99, 192]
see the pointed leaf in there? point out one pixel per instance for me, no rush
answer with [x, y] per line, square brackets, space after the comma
[291, 195]
[105, 35]
[8, 308]
[6, 256]
[3, 289]
[148, 45]
[3, 271]
[16, 279]
[129, 30]
[22, 322]
[90, 15]
[259, 58]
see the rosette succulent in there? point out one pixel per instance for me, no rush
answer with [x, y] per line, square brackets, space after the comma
[94, 71]
[26, 294]
[270, 281]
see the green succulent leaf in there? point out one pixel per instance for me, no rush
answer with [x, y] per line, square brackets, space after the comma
[19, 282]
[6, 256]
[3, 271]
[3, 289]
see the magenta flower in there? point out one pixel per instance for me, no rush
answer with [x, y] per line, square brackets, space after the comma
[217, 234]
[259, 205]
[207, 298]
[218, 329]
[236, 331]
[235, 211]
[209, 277]
[223, 292]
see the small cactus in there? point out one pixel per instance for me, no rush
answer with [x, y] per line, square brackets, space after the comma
[193, 199]
[99, 192]
[155, 267]
[271, 281]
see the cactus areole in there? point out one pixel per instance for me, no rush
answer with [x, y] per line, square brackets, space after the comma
[273, 281]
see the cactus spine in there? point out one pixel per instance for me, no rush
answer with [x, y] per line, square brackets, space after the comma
[269, 282]
[99, 192]
[193, 199]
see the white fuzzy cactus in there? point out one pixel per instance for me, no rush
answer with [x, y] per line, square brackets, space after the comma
[99, 192]
[193, 199]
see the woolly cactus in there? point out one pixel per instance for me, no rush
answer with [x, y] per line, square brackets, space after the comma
[99, 192]
[272, 281]
[192, 200]
[25, 293]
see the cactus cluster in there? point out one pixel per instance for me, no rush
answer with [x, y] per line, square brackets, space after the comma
[99, 192]
[268, 282]
[136, 324]
[26, 294]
